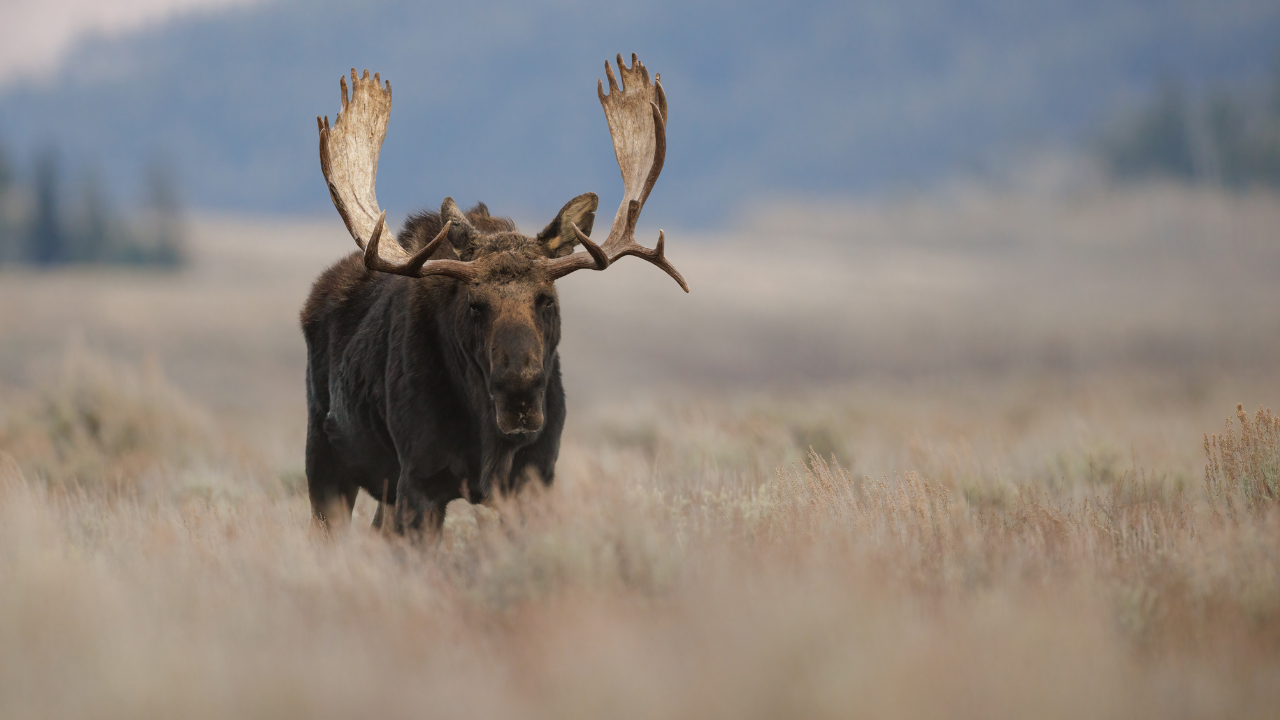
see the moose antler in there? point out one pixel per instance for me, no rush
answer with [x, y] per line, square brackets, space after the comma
[637, 115]
[349, 160]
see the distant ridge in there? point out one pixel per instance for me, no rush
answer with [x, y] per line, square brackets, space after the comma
[495, 100]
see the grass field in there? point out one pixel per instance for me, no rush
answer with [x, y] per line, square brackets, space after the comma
[941, 456]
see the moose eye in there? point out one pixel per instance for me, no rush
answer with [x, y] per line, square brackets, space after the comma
[478, 308]
[545, 301]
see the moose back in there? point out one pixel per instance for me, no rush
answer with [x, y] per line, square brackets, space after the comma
[432, 363]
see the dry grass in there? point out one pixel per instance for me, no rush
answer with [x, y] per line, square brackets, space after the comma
[811, 595]
[1023, 536]
[1244, 469]
[110, 429]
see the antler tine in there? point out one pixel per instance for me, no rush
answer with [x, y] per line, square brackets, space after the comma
[420, 265]
[613, 81]
[637, 115]
[657, 255]
[456, 269]
[372, 260]
[594, 258]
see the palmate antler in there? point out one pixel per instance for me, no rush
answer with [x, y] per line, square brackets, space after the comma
[349, 160]
[637, 115]
[636, 112]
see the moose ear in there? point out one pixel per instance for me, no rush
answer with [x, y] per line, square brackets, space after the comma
[556, 237]
[461, 232]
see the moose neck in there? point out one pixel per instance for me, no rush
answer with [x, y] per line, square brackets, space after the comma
[466, 359]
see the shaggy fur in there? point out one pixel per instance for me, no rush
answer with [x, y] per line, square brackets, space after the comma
[423, 390]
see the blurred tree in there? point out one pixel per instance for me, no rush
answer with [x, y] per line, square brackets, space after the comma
[1225, 121]
[1268, 158]
[39, 225]
[1231, 138]
[1273, 96]
[164, 210]
[46, 245]
[91, 242]
[1156, 141]
[8, 238]
[6, 171]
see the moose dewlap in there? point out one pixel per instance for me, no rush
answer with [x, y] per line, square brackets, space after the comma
[432, 369]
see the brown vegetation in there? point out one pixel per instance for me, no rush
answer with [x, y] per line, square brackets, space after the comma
[1046, 540]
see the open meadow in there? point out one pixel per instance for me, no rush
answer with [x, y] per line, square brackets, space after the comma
[939, 456]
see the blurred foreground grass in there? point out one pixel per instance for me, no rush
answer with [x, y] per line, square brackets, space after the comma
[1024, 515]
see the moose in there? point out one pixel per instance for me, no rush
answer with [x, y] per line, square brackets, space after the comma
[432, 363]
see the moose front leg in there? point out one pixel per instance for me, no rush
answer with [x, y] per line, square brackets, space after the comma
[329, 481]
[533, 462]
[420, 502]
[382, 517]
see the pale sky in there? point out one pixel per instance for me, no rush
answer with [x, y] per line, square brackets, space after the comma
[35, 33]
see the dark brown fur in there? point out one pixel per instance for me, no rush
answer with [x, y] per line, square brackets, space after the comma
[422, 390]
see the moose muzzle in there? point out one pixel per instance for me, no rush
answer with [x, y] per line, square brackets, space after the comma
[518, 385]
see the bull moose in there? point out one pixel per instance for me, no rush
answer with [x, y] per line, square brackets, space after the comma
[432, 368]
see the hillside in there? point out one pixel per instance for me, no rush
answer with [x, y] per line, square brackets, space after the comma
[495, 99]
